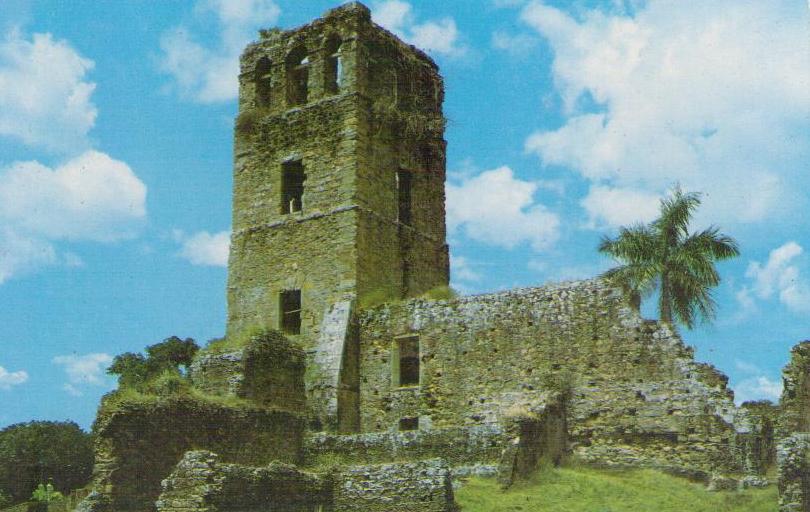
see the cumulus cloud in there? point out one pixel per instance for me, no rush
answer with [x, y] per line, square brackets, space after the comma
[780, 277]
[620, 206]
[44, 95]
[91, 197]
[206, 74]
[9, 379]
[85, 370]
[204, 248]
[439, 36]
[496, 208]
[757, 388]
[714, 97]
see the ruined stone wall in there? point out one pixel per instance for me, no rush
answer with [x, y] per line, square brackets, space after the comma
[202, 482]
[793, 454]
[423, 486]
[138, 444]
[268, 371]
[638, 397]
[795, 401]
[793, 432]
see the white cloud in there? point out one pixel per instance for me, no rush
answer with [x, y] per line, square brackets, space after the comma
[461, 269]
[781, 277]
[91, 197]
[714, 97]
[86, 370]
[439, 36]
[620, 207]
[44, 96]
[496, 208]
[210, 75]
[515, 44]
[9, 379]
[757, 388]
[22, 254]
[204, 248]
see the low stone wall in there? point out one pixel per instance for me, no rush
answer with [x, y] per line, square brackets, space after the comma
[139, 444]
[793, 459]
[201, 482]
[459, 446]
[422, 486]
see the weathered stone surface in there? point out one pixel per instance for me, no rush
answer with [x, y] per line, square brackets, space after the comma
[201, 482]
[406, 487]
[793, 460]
[638, 397]
[138, 444]
[795, 402]
[269, 371]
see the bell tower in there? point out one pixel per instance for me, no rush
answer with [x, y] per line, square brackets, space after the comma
[339, 174]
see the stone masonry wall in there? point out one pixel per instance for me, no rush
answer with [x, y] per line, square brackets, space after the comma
[793, 456]
[638, 397]
[201, 482]
[410, 487]
[793, 432]
[347, 240]
[138, 444]
[269, 371]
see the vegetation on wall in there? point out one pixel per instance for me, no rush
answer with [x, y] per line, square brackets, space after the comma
[43, 451]
[664, 255]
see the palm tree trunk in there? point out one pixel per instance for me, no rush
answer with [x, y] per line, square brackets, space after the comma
[665, 303]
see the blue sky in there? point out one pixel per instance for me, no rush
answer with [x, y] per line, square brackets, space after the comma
[566, 120]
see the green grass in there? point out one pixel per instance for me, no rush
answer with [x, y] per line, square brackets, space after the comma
[577, 489]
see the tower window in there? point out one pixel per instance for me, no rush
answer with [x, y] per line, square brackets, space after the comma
[291, 311]
[263, 79]
[333, 66]
[404, 197]
[409, 424]
[408, 361]
[297, 76]
[292, 186]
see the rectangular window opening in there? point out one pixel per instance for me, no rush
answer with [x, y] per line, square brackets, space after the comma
[408, 357]
[291, 311]
[404, 197]
[292, 186]
[409, 424]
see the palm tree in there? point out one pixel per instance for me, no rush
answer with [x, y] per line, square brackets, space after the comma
[666, 256]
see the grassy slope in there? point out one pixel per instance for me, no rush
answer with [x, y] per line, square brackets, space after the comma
[592, 490]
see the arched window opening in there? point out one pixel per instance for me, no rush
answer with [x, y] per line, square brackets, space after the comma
[297, 76]
[263, 79]
[333, 65]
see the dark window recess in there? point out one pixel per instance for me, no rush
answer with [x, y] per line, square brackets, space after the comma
[409, 361]
[263, 79]
[291, 311]
[292, 186]
[297, 77]
[333, 66]
[409, 424]
[404, 179]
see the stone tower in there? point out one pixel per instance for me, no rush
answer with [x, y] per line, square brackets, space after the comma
[338, 176]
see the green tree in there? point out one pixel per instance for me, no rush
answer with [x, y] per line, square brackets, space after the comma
[136, 370]
[39, 451]
[664, 255]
